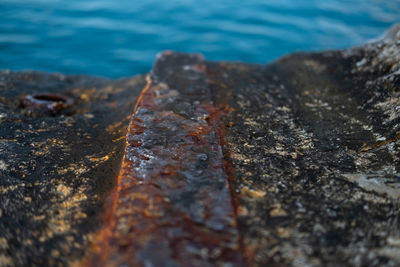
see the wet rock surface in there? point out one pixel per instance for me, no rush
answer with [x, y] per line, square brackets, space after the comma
[172, 205]
[56, 168]
[314, 144]
[307, 165]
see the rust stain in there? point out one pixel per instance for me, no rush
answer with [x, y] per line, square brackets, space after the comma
[172, 205]
[379, 144]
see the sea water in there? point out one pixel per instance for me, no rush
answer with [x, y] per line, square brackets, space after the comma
[116, 38]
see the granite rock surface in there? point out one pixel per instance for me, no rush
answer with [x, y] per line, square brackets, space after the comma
[55, 170]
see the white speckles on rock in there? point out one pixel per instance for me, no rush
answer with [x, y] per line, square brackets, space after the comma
[3, 165]
[378, 182]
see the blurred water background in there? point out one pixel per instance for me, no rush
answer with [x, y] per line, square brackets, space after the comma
[117, 38]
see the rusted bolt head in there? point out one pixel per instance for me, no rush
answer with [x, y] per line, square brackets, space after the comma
[46, 103]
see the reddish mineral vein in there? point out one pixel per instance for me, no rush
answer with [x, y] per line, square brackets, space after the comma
[172, 204]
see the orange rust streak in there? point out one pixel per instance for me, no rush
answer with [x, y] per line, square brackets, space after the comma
[216, 118]
[173, 199]
[142, 93]
[101, 247]
[366, 148]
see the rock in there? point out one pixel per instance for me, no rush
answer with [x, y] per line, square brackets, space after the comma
[55, 169]
[319, 133]
[310, 145]
[172, 205]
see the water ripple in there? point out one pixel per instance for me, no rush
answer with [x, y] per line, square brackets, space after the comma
[121, 37]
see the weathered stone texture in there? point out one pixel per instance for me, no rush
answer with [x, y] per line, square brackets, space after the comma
[55, 170]
[314, 144]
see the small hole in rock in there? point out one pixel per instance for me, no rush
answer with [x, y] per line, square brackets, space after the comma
[50, 97]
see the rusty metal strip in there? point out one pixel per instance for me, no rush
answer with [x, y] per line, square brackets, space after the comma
[172, 205]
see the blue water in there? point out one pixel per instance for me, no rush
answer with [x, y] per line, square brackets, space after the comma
[117, 38]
